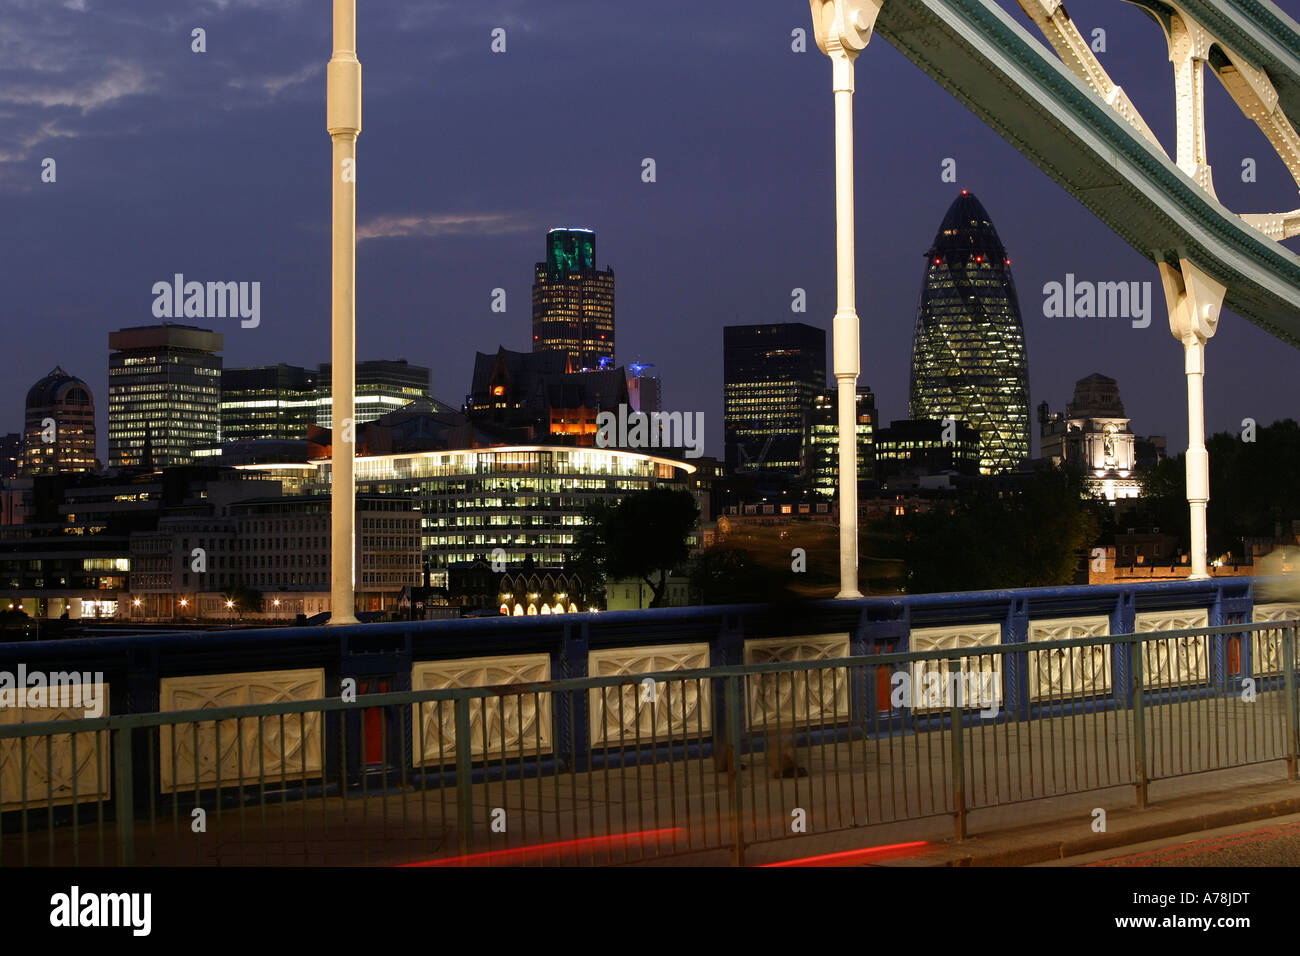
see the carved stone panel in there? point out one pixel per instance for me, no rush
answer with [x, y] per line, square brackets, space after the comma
[632, 713]
[250, 748]
[1174, 661]
[1267, 644]
[795, 698]
[53, 773]
[980, 677]
[509, 724]
[1068, 672]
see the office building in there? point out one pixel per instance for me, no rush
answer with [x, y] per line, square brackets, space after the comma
[529, 397]
[915, 449]
[381, 387]
[278, 546]
[968, 353]
[527, 501]
[268, 402]
[644, 392]
[573, 301]
[59, 426]
[772, 375]
[164, 401]
[825, 440]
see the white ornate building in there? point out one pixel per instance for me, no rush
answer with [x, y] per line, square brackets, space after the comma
[1093, 435]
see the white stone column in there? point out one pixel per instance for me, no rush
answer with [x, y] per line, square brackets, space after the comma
[1194, 301]
[343, 120]
[843, 29]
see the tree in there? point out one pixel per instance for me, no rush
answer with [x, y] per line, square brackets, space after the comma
[643, 536]
[725, 574]
[1254, 488]
[1027, 536]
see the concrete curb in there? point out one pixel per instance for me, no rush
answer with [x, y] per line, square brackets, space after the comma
[1023, 854]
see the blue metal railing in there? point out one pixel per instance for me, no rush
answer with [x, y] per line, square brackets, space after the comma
[371, 741]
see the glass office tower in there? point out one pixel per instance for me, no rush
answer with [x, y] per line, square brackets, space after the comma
[164, 385]
[771, 377]
[573, 301]
[968, 352]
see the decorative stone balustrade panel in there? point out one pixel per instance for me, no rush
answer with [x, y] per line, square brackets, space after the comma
[1064, 673]
[651, 711]
[787, 700]
[53, 771]
[511, 725]
[1174, 661]
[250, 748]
[979, 680]
[1267, 645]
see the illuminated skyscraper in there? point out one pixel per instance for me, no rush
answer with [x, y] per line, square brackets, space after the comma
[59, 428]
[383, 386]
[771, 375]
[164, 401]
[968, 352]
[824, 437]
[267, 402]
[573, 301]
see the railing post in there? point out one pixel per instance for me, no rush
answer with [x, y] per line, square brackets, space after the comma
[1292, 706]
[124, 795]
[572, 723]
[956, 689]
[733, 693]
[464, 784]
[1139, 721]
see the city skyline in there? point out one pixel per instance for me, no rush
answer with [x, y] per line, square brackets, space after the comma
[865, 586]
[438, 237]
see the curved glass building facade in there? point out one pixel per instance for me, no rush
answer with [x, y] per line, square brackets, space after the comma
[968, 350]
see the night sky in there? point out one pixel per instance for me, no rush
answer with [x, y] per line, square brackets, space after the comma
[217, 165]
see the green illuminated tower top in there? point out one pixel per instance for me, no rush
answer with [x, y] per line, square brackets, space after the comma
[573, 301]
[570, 250]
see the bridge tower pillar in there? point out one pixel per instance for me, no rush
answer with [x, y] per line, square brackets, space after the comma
[843, 29]
[343, 121]
[1194, 301]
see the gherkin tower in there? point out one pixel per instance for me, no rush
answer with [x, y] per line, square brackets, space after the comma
[968, 351]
